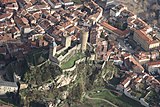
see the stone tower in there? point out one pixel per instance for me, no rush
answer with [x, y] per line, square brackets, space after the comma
[53, 47]
[84, 39]
[66, 40]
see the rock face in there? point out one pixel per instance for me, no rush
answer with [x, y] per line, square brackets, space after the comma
[63, 80]
[64, 95]
[23, 86]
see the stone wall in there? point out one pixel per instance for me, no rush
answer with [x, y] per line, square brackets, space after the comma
[75, 65]
[61, 50]
[130, 96]
[69, 53]
[143, 102]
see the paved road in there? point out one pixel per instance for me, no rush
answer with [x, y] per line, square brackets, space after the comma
[86, 96]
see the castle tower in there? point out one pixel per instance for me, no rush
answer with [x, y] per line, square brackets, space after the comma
[66, 40]
[84, 39]
[52, 50]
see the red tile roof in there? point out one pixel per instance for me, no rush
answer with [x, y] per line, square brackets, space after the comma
[8, 1]
[143, 35]
[113, 29]
[138, 80]
[125, 81]
[6, 15]
[153, 63]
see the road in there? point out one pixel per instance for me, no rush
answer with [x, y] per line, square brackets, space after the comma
[86, 96]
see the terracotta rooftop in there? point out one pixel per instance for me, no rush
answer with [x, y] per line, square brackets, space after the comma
[65, 1]
[54, 1]
[52, 19]
[45, 24]
[1, 105]
[14, 29]
[66, 24]
[149, 78]
[153, 63]
[6, 15]
[70, 29]
[125, 81]
[5, 38]
[132, 75]
[136, 65]
[19, 21]
[143, 35]
[138, 80]
[115, 30]
[7, 1]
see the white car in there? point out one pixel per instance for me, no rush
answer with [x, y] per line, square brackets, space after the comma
[125, 39]
[130, 47]
[127, 44]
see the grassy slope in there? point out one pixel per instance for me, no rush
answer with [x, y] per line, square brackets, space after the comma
[70, 63]
[121, 101]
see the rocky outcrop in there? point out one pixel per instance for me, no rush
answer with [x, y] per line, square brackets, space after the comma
[64, 80]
